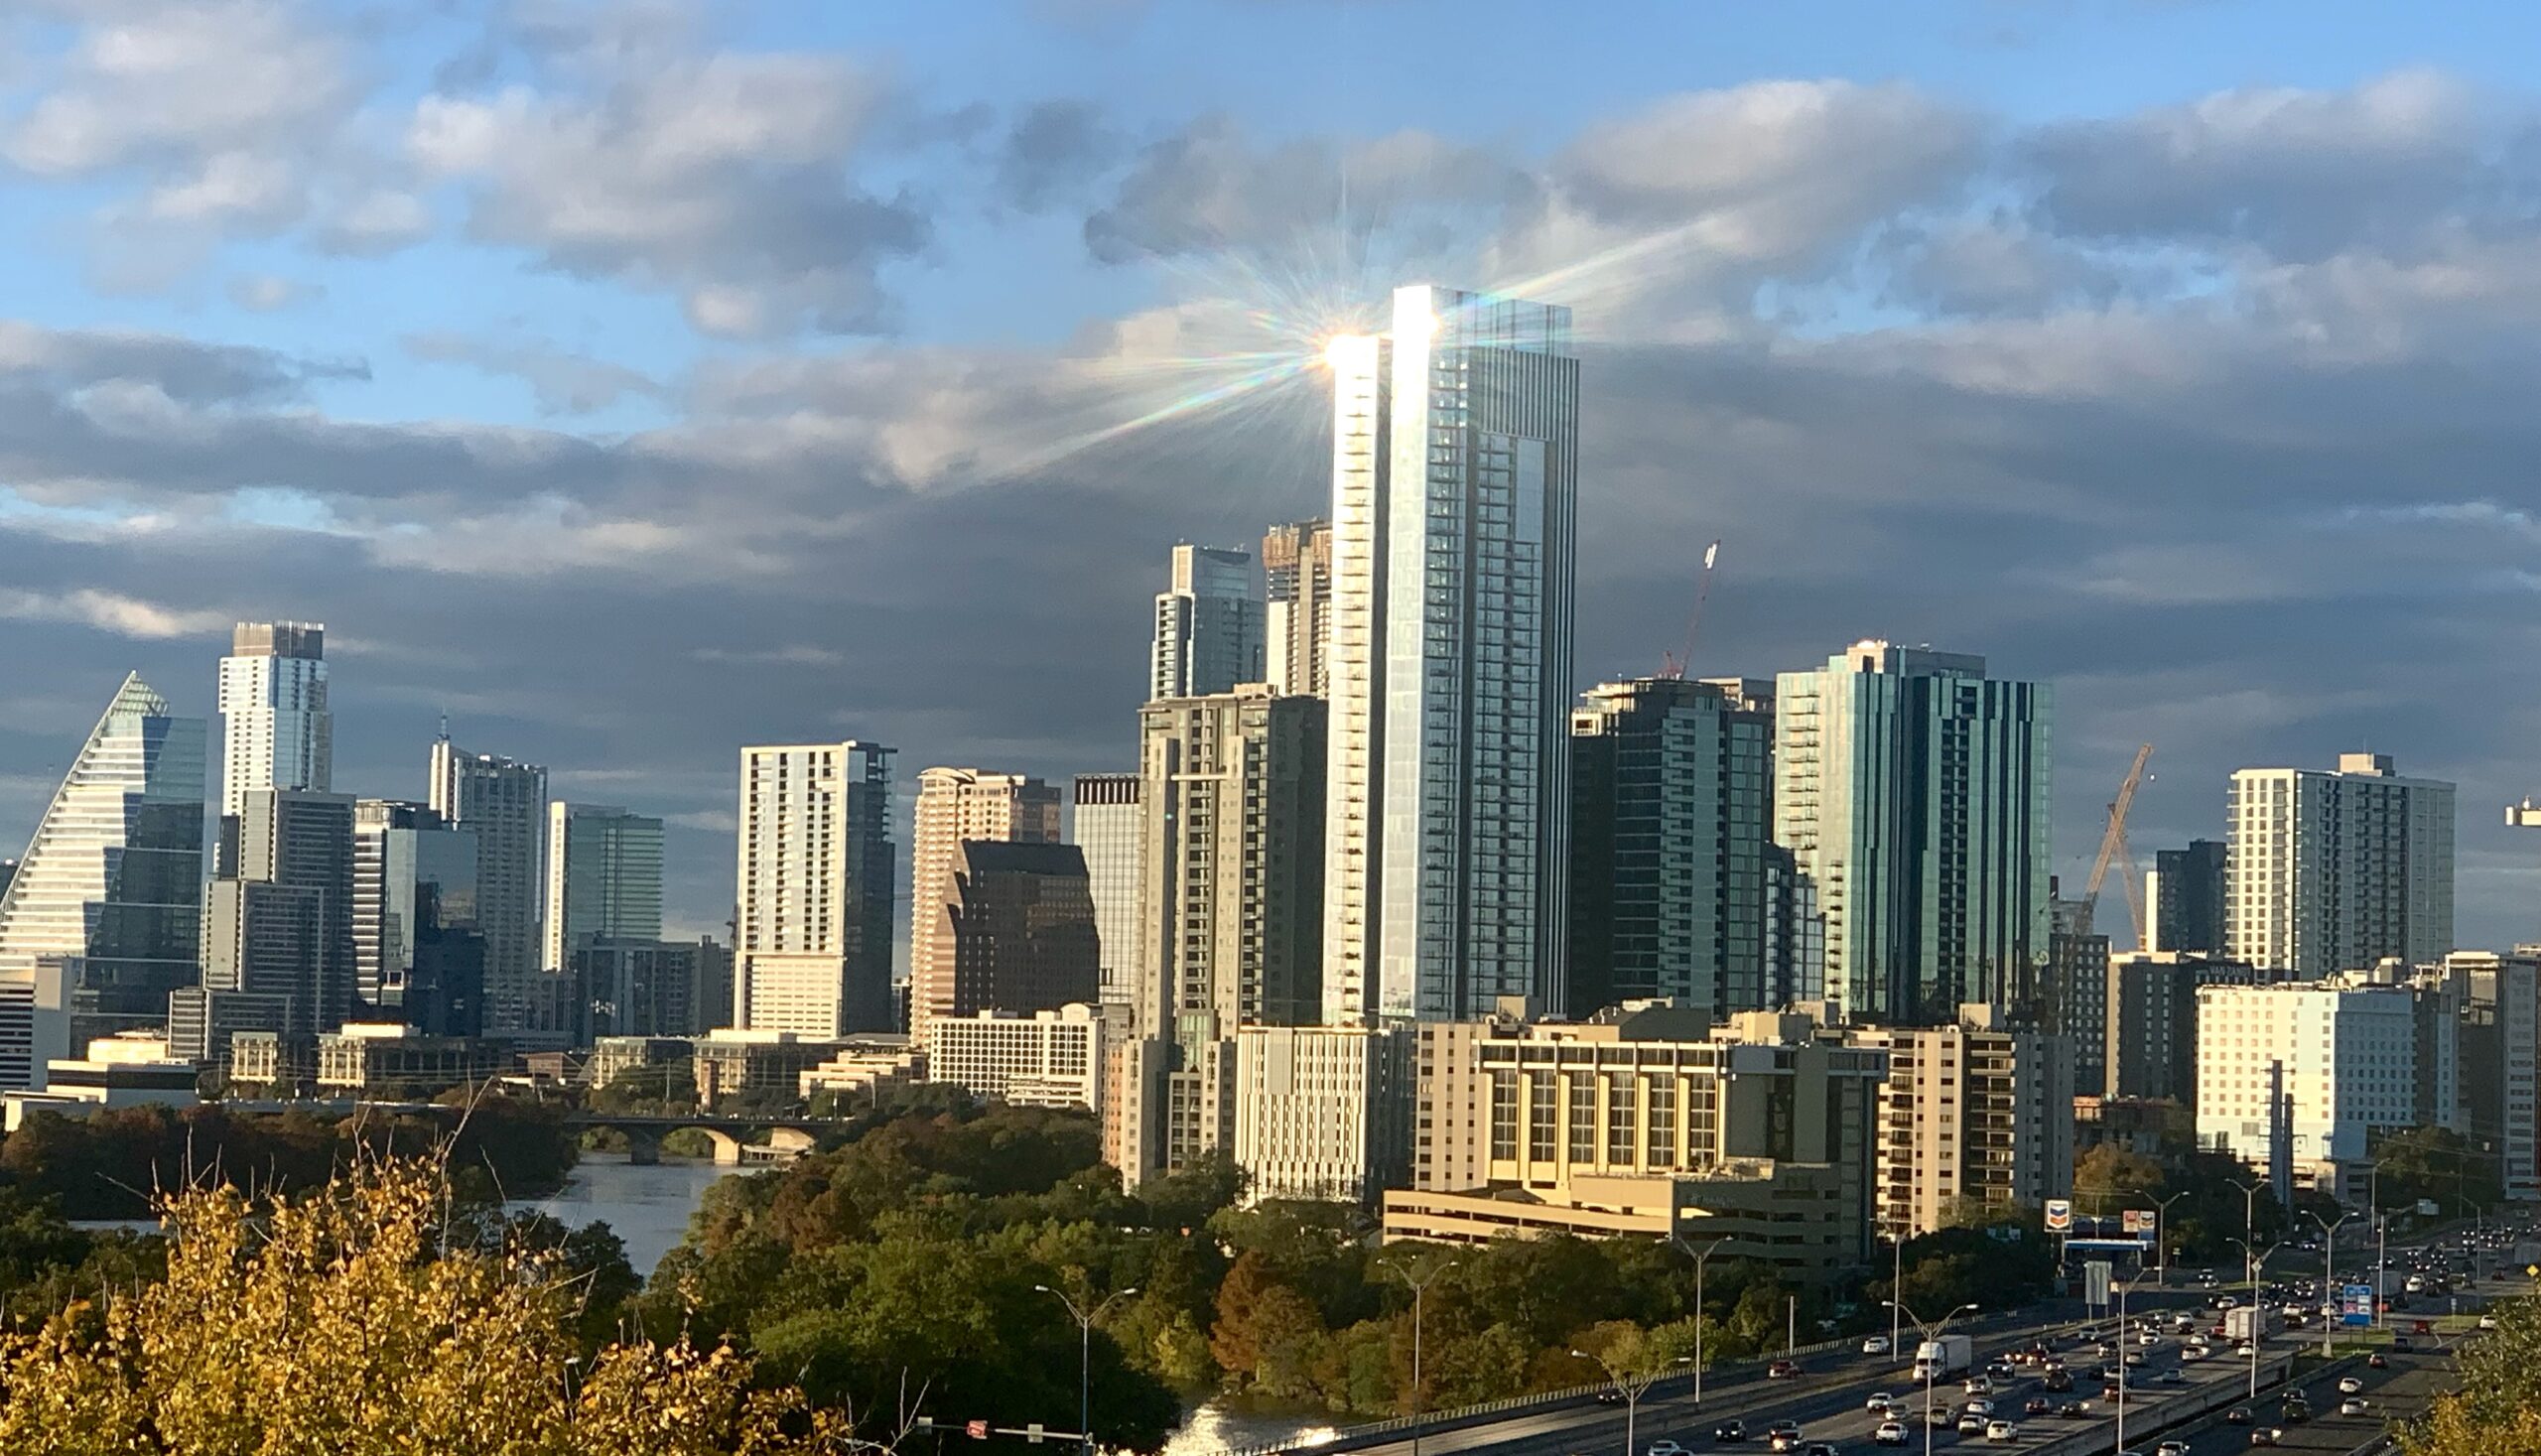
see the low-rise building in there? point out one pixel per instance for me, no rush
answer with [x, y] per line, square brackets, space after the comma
[613, 1056]
[2360, 1052]
[1050, 1058]
[1627, 1124]
[1800, 1219]
[129, 1069]
[863, 1073]
[736, 1062]
[384, 1054]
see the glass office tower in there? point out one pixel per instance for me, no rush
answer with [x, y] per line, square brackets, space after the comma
[1455, 460]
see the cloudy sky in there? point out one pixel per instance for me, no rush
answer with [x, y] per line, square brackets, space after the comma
[634, 381]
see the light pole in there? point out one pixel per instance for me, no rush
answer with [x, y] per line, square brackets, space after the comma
[2122, 1291]
[1420, 1287]
[1702, 1258]
[2256, 1257]
[1631, 1384]
[2329, 1283]
[2161, 1247]
[1930, 1333]
[1085, 1319]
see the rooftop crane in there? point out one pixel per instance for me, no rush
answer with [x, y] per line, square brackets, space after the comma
[1673, 665]
[2113, 850]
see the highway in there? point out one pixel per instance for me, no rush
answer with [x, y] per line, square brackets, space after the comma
[1827, 1401]
[2402, 1390]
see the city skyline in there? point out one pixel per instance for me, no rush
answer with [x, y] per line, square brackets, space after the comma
[1994, 427]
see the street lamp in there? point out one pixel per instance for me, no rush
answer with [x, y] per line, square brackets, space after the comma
[1632, 1384]
[1085, 1319]
[1420, 1287]
[2122, 1291]
[1930, 1333]
[1702, 1258]
[2256, 1257]
[2161, 1246]
[2329, 1284]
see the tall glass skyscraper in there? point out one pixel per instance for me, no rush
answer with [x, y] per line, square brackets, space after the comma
[1208, 624]
[1912, 792]
[503, 803]
[103, 918]
[603, 878]
[276, 731]
[1455, 472]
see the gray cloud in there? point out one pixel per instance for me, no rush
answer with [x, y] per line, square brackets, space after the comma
[564, 383]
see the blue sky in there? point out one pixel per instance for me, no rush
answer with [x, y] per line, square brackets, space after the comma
[636, 381]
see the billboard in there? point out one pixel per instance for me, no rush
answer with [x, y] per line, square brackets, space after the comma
[2060, 1215]
[2095, 1281]
[2355, 1304]
[2137, 1221]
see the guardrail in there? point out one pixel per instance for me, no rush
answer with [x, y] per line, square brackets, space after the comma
[1733, 1373]
[1728, 1375]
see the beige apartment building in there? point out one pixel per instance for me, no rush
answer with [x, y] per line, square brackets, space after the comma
[1982, 1111]
[1652, 1121]
[955, 805]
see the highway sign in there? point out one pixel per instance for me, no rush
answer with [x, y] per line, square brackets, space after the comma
[2355, 1304]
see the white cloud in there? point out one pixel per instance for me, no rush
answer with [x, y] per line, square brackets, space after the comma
[111, 612]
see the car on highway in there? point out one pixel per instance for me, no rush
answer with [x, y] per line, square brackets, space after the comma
[2353, 1405]
[2245, 1350]
[1729, 1430]
[2037, 1405]
[1977, 1386]
[1880, 1402]
[2266, 1435]
[2487, 1321]
[2378, 1361]
[1970, 1423]
[2059, 1379]
[1876, 1345]
[2135, 1358]
[1611, 1396]
[1668, 1448]
[2349, 1384]
[2193, 1353]
[2170, 1448]
[2001, 1430]
[1819, 1449]
[2237, 1415]
[1782, 1370]
[1890, 1433]
[1977, 1408]
[1783, 1434]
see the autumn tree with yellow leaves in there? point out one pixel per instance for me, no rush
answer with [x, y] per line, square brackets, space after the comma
[362, 1319]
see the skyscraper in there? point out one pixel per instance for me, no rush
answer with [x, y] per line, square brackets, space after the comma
[2186, 898]
[275, 729]
[103, 916]
[1914, 792]
[1106, 827]
[1296, 573]
[278, 918]
[1016, 932]
[2332, 872]
[812, 896]
[1672, 794]
[603, 878]
[414, 880]
[1455, 462]
[503, 803]
[1208, 624]
[1231, 883]
[953, 805]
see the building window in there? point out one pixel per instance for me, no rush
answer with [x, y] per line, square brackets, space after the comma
[1583, 1119]
[1503, 1113]
[1619, 1107]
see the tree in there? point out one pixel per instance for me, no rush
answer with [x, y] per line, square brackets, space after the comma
[343, 1322]
[2498, 1406]
[2438, 1164]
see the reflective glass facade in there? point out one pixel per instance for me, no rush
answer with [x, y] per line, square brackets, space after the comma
[111, 889]
[1454, 480]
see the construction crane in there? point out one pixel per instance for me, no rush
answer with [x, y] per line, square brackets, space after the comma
[1673, 665]
[2113, 850]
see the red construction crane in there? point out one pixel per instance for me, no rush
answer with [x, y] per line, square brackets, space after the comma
[2113, 850]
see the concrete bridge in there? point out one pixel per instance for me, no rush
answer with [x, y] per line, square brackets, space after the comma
[787, 1138]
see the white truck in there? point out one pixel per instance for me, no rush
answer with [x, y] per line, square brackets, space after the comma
[1947, 1358]
[2252, 1322]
